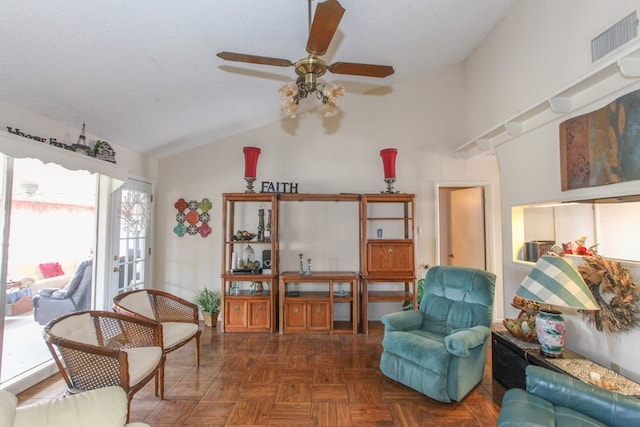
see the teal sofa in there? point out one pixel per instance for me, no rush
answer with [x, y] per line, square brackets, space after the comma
[440, 349]
[555, 399]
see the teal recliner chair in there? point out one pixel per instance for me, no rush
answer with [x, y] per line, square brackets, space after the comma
[556, 400]
[440, 349]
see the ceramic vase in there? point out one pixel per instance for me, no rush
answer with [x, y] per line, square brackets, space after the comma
[551, 333]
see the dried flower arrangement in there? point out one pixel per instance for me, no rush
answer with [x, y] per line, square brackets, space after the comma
[606, 277]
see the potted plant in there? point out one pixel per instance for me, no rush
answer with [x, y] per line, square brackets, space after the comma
[209, 303]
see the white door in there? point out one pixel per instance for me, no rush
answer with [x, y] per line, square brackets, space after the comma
[131, 240]
[466, 228]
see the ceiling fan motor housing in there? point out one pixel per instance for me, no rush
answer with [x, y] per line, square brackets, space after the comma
[311, 68]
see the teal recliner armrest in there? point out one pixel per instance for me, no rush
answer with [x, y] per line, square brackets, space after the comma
[403, 320]
[556, 399]
[459, 342]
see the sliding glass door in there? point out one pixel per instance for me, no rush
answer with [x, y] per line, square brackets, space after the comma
[51, 231]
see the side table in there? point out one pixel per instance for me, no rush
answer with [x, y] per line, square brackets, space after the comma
[510, 357]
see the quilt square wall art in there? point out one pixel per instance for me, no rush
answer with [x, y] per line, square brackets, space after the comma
[602, 147]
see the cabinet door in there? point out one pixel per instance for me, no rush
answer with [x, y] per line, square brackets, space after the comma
[507, 366]
[319, 316]
[295, 316]
[390, 257]
[235, 313]
[259, 314]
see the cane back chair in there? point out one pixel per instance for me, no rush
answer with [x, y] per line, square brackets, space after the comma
[95, 349]
[178, 318]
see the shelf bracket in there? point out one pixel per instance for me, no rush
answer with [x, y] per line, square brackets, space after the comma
[514, 128]
[484, 144]
[629, 66]
[561, 104]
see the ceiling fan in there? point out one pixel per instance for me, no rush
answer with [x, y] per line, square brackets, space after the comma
[321, 31]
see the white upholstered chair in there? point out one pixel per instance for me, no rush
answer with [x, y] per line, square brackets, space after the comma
[102, 407]
[95, 349]
[178, 317]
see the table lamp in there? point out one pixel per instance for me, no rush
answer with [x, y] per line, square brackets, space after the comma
[553, 281]
[251, 155]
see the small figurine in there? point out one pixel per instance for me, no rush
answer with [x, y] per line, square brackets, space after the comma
[556, 250]
[578, 247]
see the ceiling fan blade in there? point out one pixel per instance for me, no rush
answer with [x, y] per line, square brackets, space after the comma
[325, 23]
[355, 69]
[254, 59]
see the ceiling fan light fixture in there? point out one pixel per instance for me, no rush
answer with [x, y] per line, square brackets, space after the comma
[333, 92]
[291, 108]
[329, 109]
[327, 93]
[288, 92]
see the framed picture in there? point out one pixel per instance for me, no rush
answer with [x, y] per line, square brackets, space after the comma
[602, 147]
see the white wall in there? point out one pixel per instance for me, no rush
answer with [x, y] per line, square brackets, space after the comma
[423, 118]
[540, 48]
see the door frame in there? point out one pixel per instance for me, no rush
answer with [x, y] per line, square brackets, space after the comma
[490, 246]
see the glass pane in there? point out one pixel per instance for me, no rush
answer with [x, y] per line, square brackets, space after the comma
[52, 232]
[133, 218]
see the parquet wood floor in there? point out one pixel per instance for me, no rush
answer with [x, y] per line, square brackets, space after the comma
[291, 380]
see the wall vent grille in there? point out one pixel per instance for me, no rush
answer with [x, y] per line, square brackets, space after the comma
[620, 33]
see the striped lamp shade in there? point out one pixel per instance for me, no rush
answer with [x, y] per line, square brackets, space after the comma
[554, 281]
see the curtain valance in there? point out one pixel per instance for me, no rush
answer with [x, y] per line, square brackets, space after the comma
[17, 147]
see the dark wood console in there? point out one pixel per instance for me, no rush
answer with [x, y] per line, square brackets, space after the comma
[511, 356]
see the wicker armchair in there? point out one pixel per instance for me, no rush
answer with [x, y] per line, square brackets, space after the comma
[95, 349]
[178, 317]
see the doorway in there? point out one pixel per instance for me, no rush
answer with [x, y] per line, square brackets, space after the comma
[461, 226]
[49, 232]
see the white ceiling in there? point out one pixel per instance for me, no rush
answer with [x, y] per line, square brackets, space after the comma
[144, 74]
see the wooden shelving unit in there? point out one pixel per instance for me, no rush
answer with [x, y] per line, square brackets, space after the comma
[385, 259]
[387, 250]
[249, 311]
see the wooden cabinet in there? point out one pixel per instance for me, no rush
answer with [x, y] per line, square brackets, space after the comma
[247, 313]
[307, 315]
[307, 302]
[387, 251]
[249, 295]
[390, 257]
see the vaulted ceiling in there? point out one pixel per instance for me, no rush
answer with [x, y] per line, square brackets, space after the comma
[144, 74]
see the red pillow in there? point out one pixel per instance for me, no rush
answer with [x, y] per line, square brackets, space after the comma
[51, 269]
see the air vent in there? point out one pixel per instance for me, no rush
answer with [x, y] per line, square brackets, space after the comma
[623, 31]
